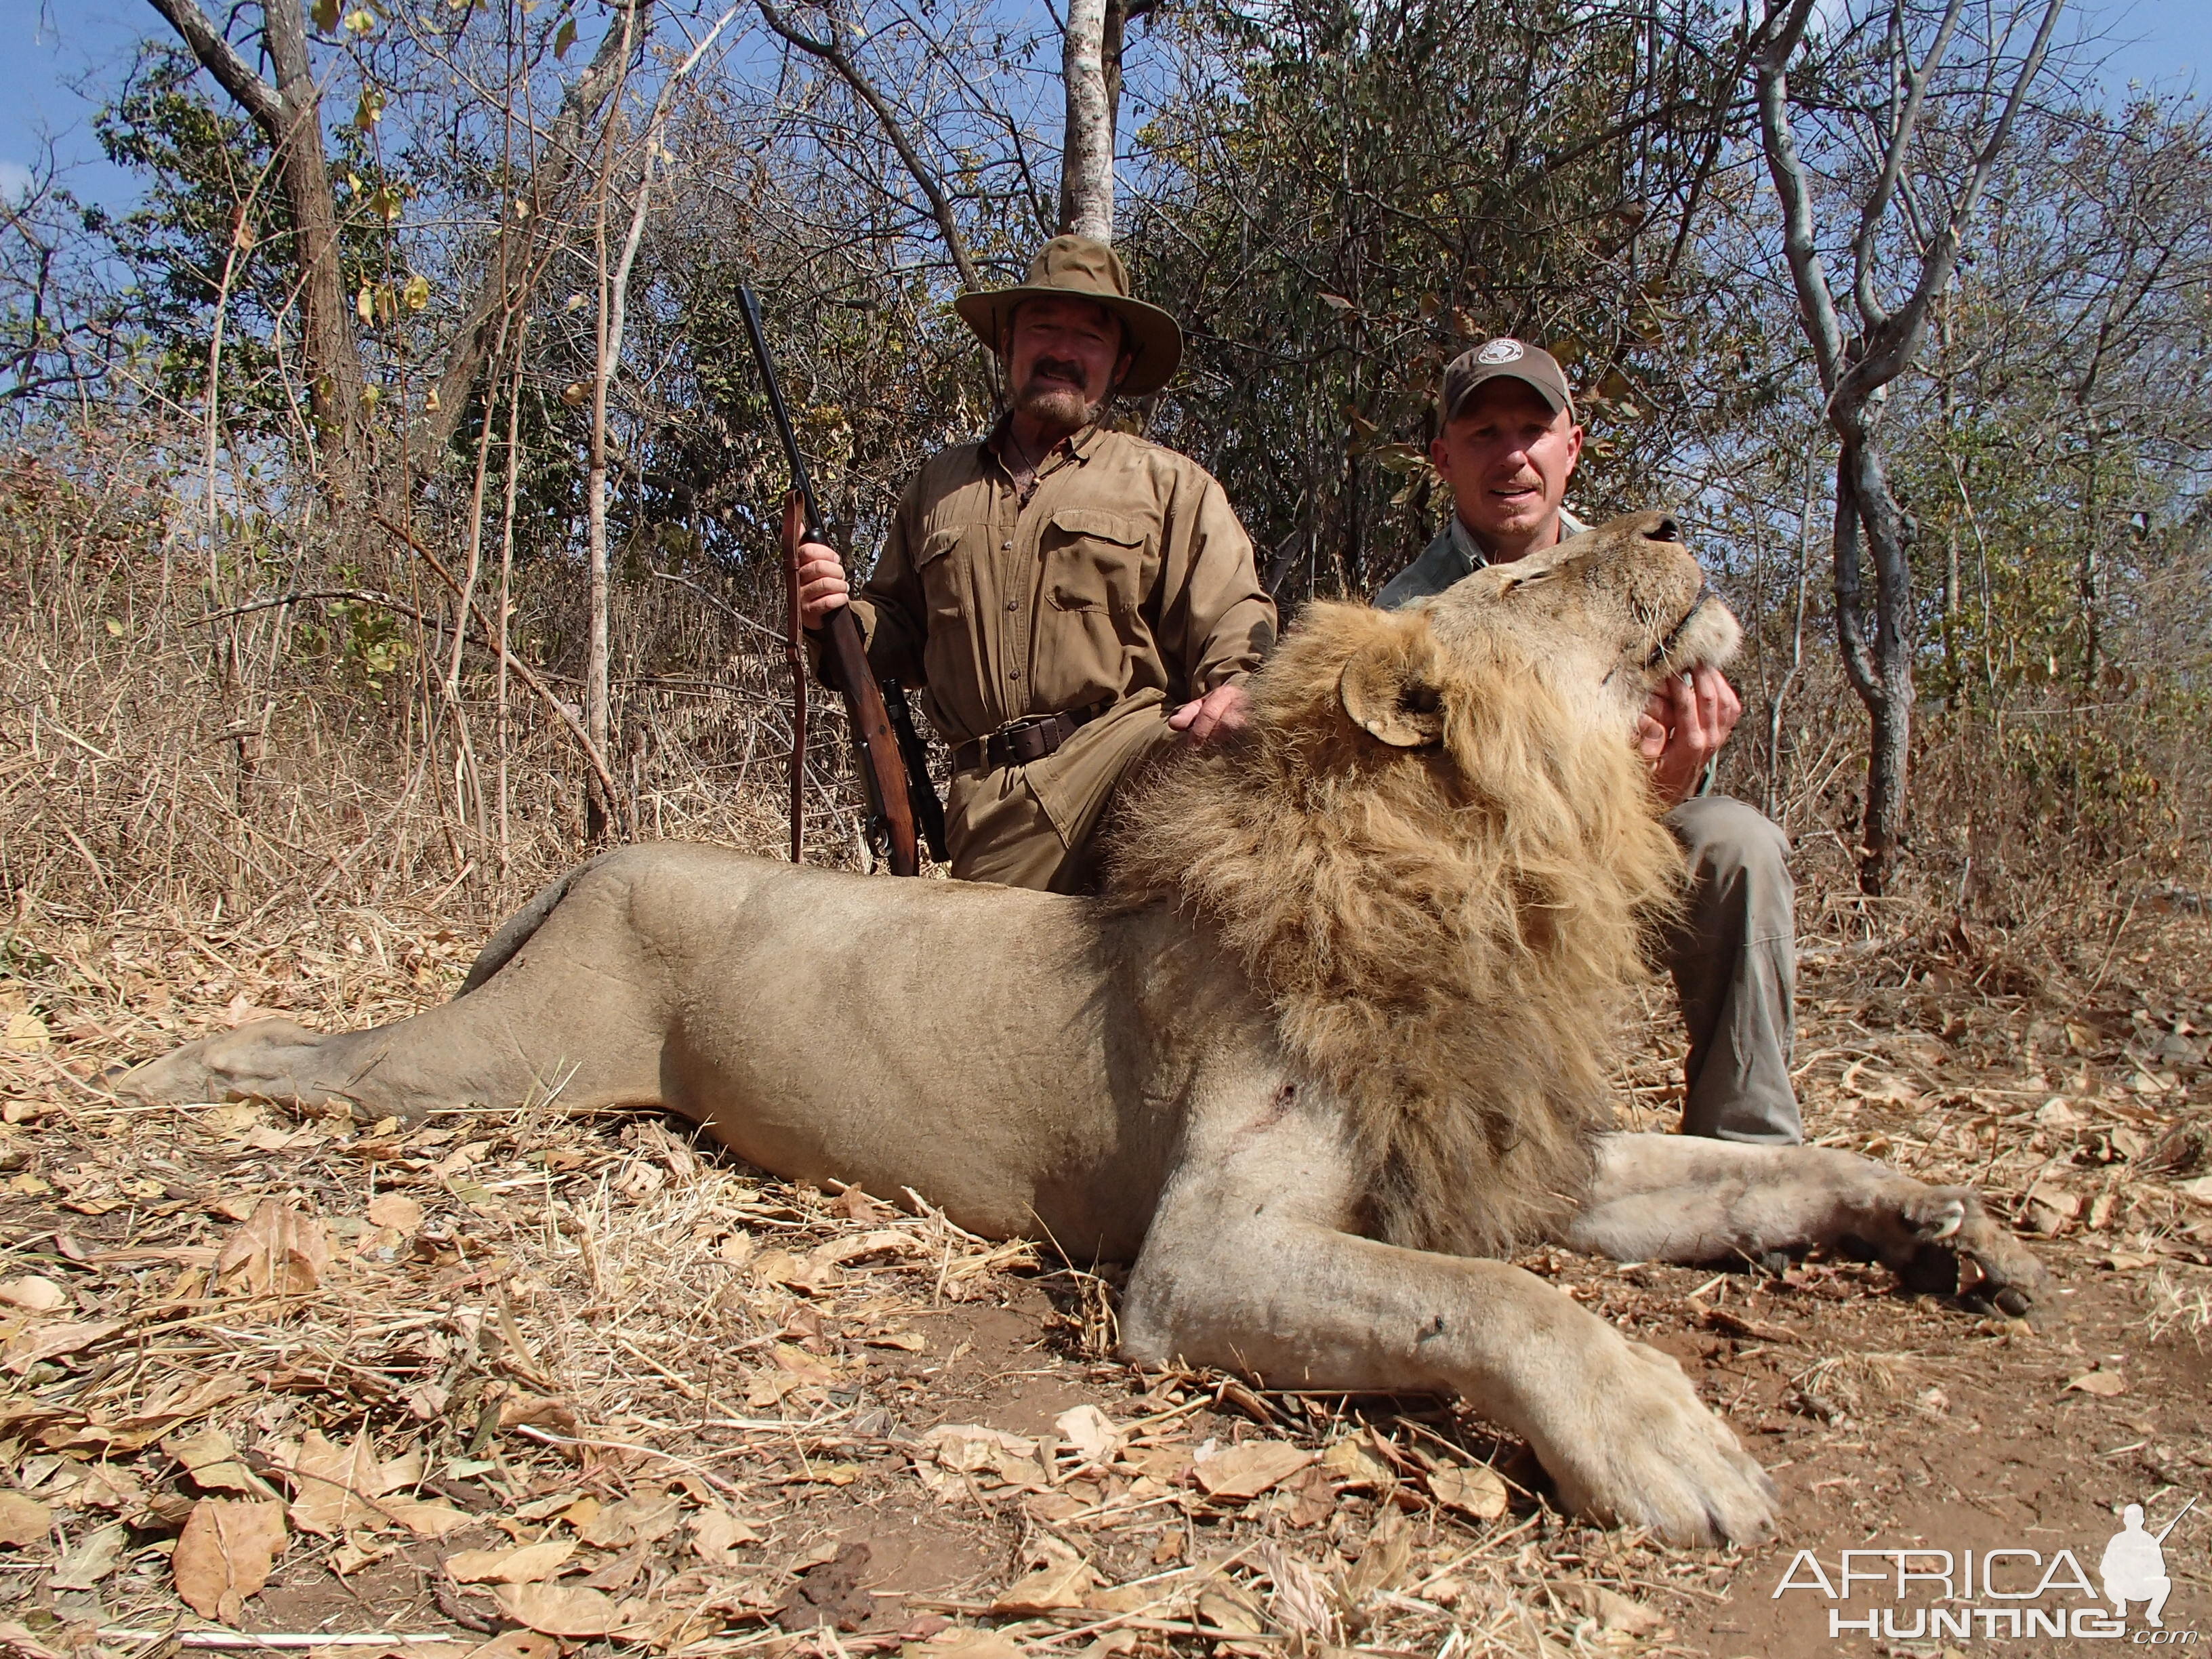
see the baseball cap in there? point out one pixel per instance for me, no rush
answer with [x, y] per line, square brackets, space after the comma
[1507, 357]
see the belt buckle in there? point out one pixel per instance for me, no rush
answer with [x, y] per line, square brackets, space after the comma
[1027, 723]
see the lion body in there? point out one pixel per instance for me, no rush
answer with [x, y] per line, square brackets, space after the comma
[1338, 1033]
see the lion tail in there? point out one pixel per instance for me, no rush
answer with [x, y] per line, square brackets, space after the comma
[518, 929]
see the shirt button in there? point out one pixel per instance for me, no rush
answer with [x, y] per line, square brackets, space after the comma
[1013, 605]
[1005, 547]
[1013, 673]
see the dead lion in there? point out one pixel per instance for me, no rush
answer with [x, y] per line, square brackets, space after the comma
[1337, 1035]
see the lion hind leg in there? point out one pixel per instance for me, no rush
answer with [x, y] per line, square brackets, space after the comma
[393, 1071]
[1682, 1198]
[578, 1016]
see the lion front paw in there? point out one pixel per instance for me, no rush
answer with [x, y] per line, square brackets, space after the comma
[1959, 1251]
[1647, 1452]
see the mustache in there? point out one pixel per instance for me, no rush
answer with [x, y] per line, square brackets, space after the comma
[1058, 368]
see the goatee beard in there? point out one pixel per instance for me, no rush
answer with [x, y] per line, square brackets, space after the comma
[1058, 404]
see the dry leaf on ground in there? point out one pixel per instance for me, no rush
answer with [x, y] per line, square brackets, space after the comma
[92, 1560]
[526, 1564]
[276, 1251]
[715, 1532]
[1066, 1580]
[559, 1609]
[1095, 1437]
[397, 1211]
[23, 1520]
[1229, 1613]
[210, 1457]
[109, 1486]
[1612, 1610]
[1382, 1564]
[638, 1520]
[46, 1341]
[26, 1034]
[224, 1554]
[34, 1293]
[1352, 1463]
[423, 1517]
[520, 1409]
[516, 1645]
[333, 1485]
[1477, 1492]
[2105, 1383]
[1247, 1470]
[971, 1449]
[963, 1644]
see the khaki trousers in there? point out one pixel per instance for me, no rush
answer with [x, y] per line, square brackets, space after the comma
[1042, 826]
[1734, 956]
[1006, 836]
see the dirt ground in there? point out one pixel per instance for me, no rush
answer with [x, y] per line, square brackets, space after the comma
[519, 1384]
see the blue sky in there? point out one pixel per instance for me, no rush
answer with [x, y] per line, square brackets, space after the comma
[59, 57]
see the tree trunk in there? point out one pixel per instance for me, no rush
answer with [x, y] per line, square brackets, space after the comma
[1879, 663]
[1086, 175]
[2091, 578]
[333, 356]
[290, 116]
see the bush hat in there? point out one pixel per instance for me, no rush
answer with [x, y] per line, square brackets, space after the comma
[1502, 358]
[1082, 267]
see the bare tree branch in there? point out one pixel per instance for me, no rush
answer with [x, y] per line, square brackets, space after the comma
[940, 205]
[1892, 163]
[1896, 341]
[508, 283]
[1816, 303]
[253, 94]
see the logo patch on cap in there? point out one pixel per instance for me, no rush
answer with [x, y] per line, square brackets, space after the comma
[1502, 351]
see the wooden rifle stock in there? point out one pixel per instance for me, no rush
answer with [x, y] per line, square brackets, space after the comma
[883, 768]
[845, 656]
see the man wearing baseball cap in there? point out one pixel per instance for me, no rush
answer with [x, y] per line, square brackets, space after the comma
[1071, 598]
[1506, 443]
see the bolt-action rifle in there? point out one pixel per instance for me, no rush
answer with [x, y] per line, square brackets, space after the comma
[893, 762]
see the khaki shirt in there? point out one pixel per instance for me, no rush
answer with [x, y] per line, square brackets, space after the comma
[1125, 579]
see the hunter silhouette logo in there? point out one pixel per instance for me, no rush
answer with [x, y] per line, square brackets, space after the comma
[2134, 1567]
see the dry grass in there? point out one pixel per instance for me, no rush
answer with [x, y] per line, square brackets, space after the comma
[173, 746]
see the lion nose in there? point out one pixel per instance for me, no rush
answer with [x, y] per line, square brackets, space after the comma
[1665, 528]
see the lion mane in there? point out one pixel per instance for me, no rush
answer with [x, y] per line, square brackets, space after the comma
[1433, 925]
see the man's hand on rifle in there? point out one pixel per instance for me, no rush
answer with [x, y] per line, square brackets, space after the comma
[822, 585]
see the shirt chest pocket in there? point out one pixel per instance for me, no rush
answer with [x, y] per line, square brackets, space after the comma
[1095, 560]
[943, 573]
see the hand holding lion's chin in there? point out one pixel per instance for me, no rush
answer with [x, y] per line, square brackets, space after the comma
[1684, 724]
[1626, 1438]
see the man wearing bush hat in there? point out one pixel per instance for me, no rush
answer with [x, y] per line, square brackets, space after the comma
[1071, 596]
[1506, 443]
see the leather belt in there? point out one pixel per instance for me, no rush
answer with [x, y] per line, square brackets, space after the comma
[1017, 743]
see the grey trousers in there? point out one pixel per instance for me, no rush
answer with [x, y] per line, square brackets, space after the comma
[1734, 956]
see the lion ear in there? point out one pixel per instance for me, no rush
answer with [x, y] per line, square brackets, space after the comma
[1389, 694]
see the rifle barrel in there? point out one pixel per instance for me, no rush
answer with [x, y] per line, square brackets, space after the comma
[2176, 1521]
[799, 480]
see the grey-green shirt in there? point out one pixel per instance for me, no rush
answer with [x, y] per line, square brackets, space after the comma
[1452, 556]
